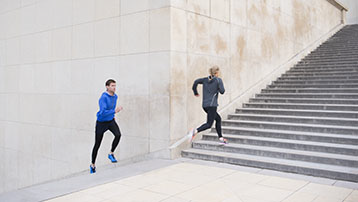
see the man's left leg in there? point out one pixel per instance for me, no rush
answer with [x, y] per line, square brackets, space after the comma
[113, 127]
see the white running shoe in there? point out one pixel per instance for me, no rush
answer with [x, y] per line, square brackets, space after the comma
[192, 134]
[222, 140]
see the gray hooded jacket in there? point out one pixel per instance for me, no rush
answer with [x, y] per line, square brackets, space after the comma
[212, 86]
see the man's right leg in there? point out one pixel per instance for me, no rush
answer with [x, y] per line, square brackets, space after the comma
[100, 129]
[211, 113]
[218, 125]
[113, 127]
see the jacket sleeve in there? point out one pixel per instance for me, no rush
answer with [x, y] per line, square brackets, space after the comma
[221, 86]
[103, 108]
[195, 85]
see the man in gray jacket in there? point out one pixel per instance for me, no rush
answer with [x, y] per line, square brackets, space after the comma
[212, 86]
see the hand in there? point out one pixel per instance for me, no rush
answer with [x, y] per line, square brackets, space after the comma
[118, 109]
[197, 95]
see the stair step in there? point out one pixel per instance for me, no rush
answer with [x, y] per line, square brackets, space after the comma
[314, 78]
[327, 55]
[279, 86]
[325, 66]
[348, 81]
[299, 112]
[345, 40]
[308, 67]
[338, 45]
[295, 119]
[343, 149]
[316, 169]
[341, 48]
[293, 135]
[335, 52]
[313, 90]
[311, 55]
[316, 53]
[319, 128]
[321, 72]
[290, 74]
[331, 48]
[310, 95]
[348, 52]
[303, 100]
[303, 106]
[341, 45]
[283, 153]
[316, 57]
[333, 57]
[330, 70]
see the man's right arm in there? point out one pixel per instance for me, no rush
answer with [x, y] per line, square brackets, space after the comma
[221, 86]
[195, 85]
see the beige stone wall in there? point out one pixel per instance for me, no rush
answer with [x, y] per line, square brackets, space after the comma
[55, 56]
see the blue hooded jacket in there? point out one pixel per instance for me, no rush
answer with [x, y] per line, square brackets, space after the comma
[107, 106]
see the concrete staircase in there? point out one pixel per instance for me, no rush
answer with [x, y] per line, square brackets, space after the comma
[305, 122]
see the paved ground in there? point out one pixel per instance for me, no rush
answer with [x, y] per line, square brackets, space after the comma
[185, 180]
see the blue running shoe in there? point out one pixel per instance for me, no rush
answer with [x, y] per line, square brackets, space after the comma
[92, 169]
[111, 157]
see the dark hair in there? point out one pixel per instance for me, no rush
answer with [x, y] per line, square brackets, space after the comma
[109, 81]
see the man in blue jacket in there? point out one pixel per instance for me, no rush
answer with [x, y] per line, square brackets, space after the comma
[106, 121]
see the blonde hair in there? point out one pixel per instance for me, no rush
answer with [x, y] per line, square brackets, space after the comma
[213, 70]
